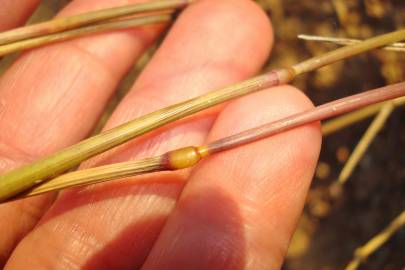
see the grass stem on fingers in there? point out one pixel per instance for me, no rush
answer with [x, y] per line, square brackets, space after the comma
[49, 167]
[189, 156]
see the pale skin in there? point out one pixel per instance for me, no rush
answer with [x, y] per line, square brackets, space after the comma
[235, 210]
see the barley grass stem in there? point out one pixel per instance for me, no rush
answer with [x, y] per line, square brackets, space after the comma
[49, 167]
[189, 156]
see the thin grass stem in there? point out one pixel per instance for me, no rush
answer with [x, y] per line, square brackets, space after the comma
[99, 174]
[365, 141]
[397, 46]
[346, 120]
[322, 112]
[44, 169]
[350, 50]
[361, 254]
[189, 156]
[84, 31]
[67, 23]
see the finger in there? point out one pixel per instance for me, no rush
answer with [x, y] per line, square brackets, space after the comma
[203, 51]
[52, 97]
[14, 13]
[239, 208]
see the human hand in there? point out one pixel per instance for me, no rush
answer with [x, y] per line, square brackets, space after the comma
[235, 210]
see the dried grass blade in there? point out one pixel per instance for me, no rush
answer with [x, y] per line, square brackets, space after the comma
[397, 46]
[62, 24]
[98, 175]
[84, 31]
[362, 253]
[366, 140]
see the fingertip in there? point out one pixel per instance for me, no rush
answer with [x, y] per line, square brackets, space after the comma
[244, 18]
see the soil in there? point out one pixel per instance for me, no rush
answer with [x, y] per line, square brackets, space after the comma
[331, 230]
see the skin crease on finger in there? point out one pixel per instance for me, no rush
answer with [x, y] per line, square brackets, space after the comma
[64, 89]
[240, 207]
[203, 51]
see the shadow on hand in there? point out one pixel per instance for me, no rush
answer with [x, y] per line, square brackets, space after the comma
[209, 228]
[205, 231]
[130, 248]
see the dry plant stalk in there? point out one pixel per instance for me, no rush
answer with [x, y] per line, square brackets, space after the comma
[67, 23]
[83, 31]
[189, 156]
[365, 141]
[397, 46]
[361, 254]
[26, 177]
